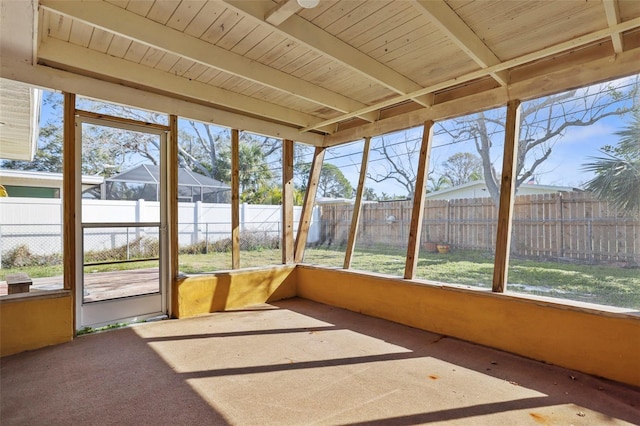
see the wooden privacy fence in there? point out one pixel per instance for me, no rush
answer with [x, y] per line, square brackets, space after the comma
[572, 226]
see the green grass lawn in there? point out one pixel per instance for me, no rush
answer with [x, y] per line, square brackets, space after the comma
[608, 285]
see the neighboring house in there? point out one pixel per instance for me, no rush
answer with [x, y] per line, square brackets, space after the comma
[28, 183]
[19, 120]
[331, 200]
[340, 200]
[478, 189]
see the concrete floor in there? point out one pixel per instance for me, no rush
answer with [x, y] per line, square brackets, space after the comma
[297, 362]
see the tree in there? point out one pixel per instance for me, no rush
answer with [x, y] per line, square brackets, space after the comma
[263, 194]
[399, 154]
[198, 148]
[543, 122]
[254, 172]
[370, 195]
[462, 167]
[108, 151]
[200, 145]
[438, 184]
[617, 172]
[332, 182]
[105, 150]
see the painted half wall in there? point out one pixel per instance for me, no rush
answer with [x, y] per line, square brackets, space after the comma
[602, 344]
[35, 321]
[197, 295]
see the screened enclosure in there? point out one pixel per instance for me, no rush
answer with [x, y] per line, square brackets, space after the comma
[143, 183]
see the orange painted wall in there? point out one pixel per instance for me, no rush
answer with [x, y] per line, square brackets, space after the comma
[198, 295]
[603, 344]
[33, 322]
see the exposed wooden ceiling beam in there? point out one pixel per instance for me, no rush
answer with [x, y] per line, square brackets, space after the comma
[530, 57]
[577, 75]
[17, 29]
[135, 27]
[282, 12]
[46, 77]
[613, 18]
[80, 58]
[440, 14]
[304, 32]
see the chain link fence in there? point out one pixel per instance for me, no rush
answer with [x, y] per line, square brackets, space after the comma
[30, 245]
[115, 244]
[204, 238]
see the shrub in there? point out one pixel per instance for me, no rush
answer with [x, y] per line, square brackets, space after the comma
[249, 241]
[139, 248]
[20, 257]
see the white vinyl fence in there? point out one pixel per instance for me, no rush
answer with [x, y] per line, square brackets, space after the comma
[37, 223]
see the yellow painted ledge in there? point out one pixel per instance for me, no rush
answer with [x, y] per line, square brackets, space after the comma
[598, 343]
[197, 295]
[35, 320]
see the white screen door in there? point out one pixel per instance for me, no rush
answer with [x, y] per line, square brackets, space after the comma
[122, 276]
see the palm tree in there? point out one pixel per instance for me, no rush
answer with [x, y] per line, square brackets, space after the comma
[617, 177]
[438, 184]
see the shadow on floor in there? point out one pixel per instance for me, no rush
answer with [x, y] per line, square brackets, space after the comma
[296, 362]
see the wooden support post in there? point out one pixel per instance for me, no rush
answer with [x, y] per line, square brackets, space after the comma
[235, 199]
[287, 201]
[415, 228]
[357, 208]
[309, 200]
[507, 196]
[172, 200]
[70, 201]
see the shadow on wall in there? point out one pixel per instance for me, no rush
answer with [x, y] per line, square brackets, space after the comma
[221, 291]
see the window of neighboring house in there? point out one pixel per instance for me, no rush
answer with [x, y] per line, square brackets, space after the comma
[31, 191]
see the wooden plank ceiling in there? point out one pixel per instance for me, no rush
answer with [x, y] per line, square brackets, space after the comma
[341, 65]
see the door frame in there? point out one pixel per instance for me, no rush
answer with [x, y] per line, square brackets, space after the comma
[148, 303]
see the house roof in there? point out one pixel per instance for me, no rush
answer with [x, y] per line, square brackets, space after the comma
[41, 179]
[480, 185]
[149, 173]
[326, 75]
[19, 120]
